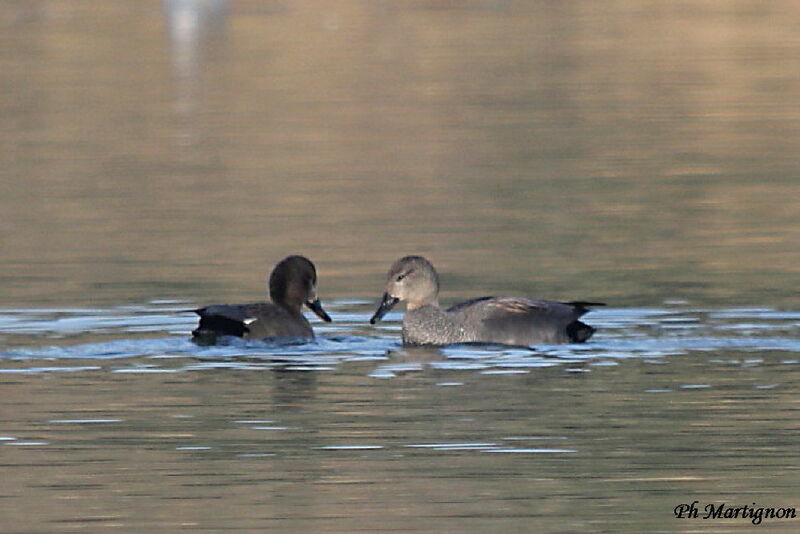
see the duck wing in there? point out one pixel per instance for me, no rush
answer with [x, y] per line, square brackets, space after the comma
[523, 321]
[230, 319]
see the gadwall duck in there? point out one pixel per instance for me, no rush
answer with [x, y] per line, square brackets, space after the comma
[292, 283]
[506, 320]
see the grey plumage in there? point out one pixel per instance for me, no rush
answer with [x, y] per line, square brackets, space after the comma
[507, 320]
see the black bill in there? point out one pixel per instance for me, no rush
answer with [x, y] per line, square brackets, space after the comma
[387, 303]
[316, 307]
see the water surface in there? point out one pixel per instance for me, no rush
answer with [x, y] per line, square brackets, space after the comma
[158, 156]
[114, 418]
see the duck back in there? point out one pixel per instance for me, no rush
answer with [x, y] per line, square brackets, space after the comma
[260, 320]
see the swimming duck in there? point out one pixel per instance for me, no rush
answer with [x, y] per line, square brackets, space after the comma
[506, 320]
[292, 283]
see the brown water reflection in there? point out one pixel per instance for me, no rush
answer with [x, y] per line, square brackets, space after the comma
[630, 152]
[329, 452]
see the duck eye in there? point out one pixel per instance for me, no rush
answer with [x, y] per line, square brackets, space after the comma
[400, 276]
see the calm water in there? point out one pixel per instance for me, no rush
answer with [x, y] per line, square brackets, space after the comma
[161, 156]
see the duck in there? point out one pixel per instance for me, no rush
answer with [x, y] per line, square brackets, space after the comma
[292, 284]
[496, 320]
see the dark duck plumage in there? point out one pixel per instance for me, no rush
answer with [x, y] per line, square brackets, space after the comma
[292, 284]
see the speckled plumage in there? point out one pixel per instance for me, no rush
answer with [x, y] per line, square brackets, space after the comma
[430, 325]
[506, 320]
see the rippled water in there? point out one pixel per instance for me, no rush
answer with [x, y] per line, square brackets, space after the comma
[153, 338]
[114, 418]
[158, 156]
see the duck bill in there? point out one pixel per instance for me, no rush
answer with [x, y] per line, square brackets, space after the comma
[316, 306]
[387, 303]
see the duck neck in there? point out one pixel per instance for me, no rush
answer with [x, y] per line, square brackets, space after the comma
[293, 307]
[433, 303]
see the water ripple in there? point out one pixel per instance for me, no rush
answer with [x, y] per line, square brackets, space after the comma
[154, 338]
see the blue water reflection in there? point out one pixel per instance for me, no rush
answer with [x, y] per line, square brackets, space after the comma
[154, 337]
